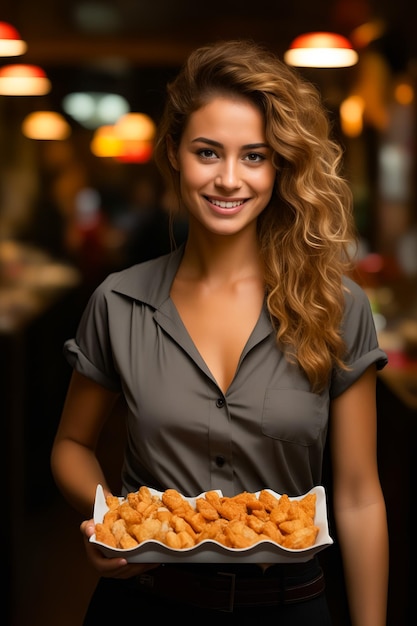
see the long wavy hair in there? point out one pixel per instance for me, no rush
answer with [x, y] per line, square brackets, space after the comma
[307, 230]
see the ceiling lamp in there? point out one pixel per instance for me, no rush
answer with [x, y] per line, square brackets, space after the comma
[11, 44]
[95, 109]
[23, 80]
[321, 50]
[106, 143]
[46, 125]
[135, 127]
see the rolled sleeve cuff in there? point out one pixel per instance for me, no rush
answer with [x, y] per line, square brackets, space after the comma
[343, 380]
[78, 360]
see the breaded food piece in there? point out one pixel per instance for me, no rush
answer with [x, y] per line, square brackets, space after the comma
[127, 542]
[131, 516]
[146, 530]
[232, 510]
[118, 529]
[272, 531]
[112, 502]
[104, 535]
[238, 535]
[301, 539]
[268, 500]
[206, 509]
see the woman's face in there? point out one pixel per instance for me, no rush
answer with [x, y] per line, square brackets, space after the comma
[225, 165]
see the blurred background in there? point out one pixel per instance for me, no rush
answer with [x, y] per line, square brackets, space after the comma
[80, 197]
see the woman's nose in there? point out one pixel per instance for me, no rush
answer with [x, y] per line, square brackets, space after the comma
[228, 176]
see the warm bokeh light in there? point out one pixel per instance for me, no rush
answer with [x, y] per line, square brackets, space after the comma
[23, 80]
[46, 125]
[11, 44]
[106, 143]
[136, 151]
[404, 93]
[351, 116]
[321, 50]
[135, 126]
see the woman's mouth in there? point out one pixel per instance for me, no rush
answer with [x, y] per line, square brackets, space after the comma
[226, 207]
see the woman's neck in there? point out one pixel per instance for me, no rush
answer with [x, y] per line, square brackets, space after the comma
[221, 259]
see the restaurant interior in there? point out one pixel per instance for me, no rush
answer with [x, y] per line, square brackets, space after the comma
[80, 197]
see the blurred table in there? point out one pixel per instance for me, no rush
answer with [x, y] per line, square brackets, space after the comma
[35, 305]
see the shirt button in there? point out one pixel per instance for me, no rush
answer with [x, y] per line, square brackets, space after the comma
[219, 403]
[220, 461]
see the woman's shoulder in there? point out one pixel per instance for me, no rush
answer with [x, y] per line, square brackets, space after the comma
[149, 281]
[353, 291]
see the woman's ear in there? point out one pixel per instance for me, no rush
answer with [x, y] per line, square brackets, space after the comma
[172, 153]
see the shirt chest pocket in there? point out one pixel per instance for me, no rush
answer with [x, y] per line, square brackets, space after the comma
[294, 416]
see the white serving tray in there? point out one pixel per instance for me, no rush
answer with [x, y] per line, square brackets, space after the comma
[210, 551]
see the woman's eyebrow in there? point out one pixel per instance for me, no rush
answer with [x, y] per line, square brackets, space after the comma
[217, 144]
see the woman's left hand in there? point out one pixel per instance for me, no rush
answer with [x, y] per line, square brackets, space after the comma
[110, 567]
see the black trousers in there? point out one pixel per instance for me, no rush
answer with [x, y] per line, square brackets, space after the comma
[122, 600]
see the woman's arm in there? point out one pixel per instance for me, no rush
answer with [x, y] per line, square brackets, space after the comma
[359, 506]
[75, 467]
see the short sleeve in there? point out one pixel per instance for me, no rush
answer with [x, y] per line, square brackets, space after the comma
[359, 333]
[90, 352]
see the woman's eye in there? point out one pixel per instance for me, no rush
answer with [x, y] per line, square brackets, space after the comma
[255, 157]
[206, 153]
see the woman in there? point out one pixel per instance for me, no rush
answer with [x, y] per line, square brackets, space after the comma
[235, 352]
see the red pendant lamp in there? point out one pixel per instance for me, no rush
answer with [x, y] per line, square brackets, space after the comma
[23, 80]
[11, 44]
[321, 49]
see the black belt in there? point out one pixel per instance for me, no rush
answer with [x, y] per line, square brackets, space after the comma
[225, 590]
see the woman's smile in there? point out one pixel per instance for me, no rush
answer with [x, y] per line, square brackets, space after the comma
[225, 163]
[226, 207]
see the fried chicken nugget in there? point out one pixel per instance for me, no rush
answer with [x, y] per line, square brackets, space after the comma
[112, 502]
[104, 535]
[148, 529]
[206, 509]
[131, 516]
[279, 513]
[110, 517]
[301, 539]
[163, 514]
[249, 500]
[268, 499]
[127, 542]
[172, 540]
[239, 535]
[185, 540]
[118, 529]
[272, 532]
[180, 525]
[213, 530]
[290, 526]
[214, 499]
[172, 499]
[255, 523]
[232, 510]
[308, 504]
[196, 521]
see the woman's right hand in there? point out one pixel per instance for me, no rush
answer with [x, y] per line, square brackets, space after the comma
[109, 567]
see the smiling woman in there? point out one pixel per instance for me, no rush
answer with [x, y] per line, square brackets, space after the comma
[226, 166]
[236, 352]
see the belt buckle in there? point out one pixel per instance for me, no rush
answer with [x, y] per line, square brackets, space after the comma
[232, 578]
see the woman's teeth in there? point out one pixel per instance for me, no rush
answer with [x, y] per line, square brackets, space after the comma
[227, 205]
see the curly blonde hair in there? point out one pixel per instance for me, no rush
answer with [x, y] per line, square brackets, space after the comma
[307, 230]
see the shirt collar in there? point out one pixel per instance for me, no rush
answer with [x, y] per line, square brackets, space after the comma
[150, 282]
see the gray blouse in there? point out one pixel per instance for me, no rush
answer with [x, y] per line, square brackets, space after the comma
[267, 430]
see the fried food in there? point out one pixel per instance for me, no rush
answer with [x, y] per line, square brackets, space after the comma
[236, 522]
